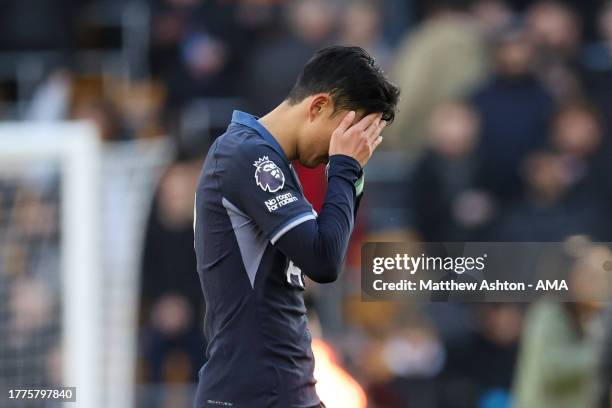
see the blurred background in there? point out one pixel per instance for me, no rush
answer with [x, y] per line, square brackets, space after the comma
[503, 134]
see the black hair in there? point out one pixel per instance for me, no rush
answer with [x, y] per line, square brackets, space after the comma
[352, 78]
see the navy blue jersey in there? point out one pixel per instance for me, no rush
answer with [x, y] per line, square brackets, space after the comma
[247, 198]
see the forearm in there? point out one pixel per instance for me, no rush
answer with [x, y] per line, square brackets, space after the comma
[318, 247]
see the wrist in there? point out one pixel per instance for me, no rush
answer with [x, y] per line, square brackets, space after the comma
[345, 160]
[346, 167]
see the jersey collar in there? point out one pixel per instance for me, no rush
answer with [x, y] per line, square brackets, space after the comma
[248, 120]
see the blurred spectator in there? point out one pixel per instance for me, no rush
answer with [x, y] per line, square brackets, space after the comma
[31, 330]
[398, 16]
[445, 199]
[172, 342]
[31, 248]
[105, 117]
[362, 26]
[558, 358]
[171, 297]
[171, 20]
[577, 135]
[258, 17]
[576, 130]
[194, 49]
[605, 366]
[480, 368]
[443, 58]
[272, 66]
[514, 108]
[29, 280]
[31, 306]
[555, 30]
[543, 214]
[403, 367]
[493, 16]
[597, 65]
[141, 105]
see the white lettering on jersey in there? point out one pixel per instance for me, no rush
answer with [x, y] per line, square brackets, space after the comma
[294, 275]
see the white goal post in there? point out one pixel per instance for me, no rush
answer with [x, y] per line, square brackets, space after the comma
[76, 149]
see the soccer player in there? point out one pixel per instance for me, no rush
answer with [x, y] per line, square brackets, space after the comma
[256, 236]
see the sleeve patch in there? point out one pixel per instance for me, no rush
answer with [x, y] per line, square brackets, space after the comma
[268, 176]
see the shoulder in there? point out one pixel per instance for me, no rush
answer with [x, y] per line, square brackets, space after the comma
[241, 141]
[243, 157]
[240, 147]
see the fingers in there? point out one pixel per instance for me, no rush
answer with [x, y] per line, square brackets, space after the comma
[364, 123]
[377, 142]
[373, 130]
[377, 138]
[346, 122]
[373, 137]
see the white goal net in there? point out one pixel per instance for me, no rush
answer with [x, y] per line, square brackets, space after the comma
[72, 214]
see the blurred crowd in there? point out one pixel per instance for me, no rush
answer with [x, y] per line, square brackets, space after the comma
[504, 124]
[29, 281]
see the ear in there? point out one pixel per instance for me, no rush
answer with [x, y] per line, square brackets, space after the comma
[319, 103]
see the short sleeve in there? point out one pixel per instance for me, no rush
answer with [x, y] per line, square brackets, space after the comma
[258, 182]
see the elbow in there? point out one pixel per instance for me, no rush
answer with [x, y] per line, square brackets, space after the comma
[326, 272]
[329, 276]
